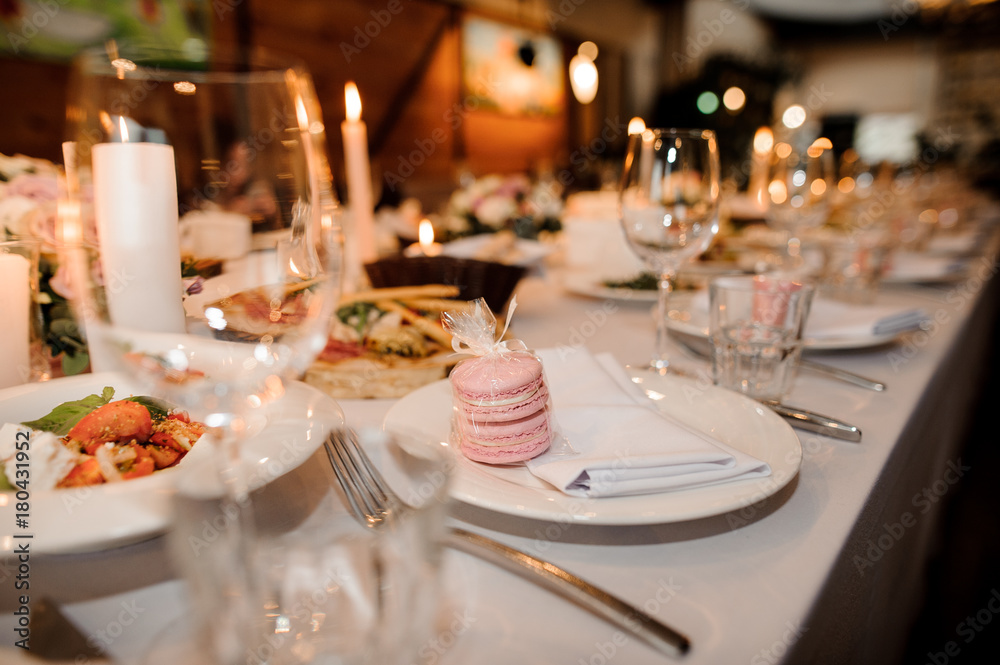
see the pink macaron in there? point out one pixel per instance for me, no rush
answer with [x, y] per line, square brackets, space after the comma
[508, 441]
[501, 404]
[526, 406]
[497, 379]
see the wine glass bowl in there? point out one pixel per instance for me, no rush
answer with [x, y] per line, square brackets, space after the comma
[668, 205]
[800, 190]
[218, 233]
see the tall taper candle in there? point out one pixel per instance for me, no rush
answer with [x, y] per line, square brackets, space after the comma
[359, 174]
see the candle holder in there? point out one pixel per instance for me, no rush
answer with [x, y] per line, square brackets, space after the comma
[475, 279]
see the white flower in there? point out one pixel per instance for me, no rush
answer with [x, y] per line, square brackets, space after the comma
[485, 186]
[15, 165]
[494, 211]
[16, 213]
[545, 202]
[461, 202]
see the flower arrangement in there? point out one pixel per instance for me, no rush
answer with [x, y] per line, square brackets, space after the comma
[496, 203]
[29, 191]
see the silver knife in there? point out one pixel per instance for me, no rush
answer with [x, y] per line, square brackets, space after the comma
[815, 422]
[702, 348]
[842, 374]
[657, 635]
[800, 419]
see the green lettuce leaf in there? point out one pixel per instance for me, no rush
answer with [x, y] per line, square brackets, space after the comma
[62, 418]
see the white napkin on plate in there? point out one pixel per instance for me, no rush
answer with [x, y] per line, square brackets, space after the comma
[833, 319]
[830, 318]
[916, 267]
[623, 444]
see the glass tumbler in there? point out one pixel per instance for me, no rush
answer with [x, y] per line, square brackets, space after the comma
[756, 326]
[326, 587]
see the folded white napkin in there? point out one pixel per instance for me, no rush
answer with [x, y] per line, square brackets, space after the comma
[915, 267]
[622, 443]
[954, 243]
[830, 318]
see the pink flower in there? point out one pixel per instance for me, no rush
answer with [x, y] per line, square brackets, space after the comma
[41, 188]
[61, 282]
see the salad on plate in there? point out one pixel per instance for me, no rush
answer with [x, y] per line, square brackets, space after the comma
[95, 440]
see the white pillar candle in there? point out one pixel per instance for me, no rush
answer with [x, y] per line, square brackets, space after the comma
[359, 175]
[763, 142]
[15, 305]
[135, 202]
[646, 151]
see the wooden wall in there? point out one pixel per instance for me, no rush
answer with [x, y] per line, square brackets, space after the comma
[405, 57]
[32, 107]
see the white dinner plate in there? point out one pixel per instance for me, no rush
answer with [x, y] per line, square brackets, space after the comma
[691, 275]
[94, 518]
[688, 320]
[918, 268]
[729, 417]
[586, 284]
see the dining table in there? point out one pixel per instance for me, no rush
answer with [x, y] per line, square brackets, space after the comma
[828, 568]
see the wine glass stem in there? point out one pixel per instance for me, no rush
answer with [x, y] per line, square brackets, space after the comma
[661, 359]
[236, 541]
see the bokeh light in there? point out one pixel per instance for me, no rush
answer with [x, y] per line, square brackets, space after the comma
[734, 98]
[708, 102]
[794, 116]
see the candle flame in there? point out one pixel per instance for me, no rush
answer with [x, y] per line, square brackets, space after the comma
[300, 114]
[123, 127]
[426, 233]
[763, 141]
[353, 101]
[636, 126]
[68, 216]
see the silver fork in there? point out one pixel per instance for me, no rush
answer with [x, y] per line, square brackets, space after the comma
[373, 502]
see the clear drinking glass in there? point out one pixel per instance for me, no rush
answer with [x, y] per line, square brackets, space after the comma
[170, 140]
[327, 589]
[756, 326]
[800, 189]
[669, 207]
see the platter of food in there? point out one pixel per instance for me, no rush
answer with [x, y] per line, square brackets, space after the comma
[88, 463]
[385, 343]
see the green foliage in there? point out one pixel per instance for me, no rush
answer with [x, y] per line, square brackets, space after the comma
[62, 418]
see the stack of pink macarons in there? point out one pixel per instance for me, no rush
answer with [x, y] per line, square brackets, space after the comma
[501, 405]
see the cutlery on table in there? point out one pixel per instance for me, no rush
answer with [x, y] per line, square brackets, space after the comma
[798, 418]
[372, 501]
[842, 374]
[702, 348]
[811, 421]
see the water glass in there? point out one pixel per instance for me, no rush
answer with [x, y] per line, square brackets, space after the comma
[852, 268]
[756, 328]
[325, 588]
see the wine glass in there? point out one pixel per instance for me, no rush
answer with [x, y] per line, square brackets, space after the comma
[799, 193]
[215, 267]
[669, 208]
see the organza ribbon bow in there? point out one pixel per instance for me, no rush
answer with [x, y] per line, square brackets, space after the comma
[474, 330]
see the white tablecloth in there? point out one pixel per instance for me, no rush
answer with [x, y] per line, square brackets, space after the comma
[827, 570]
